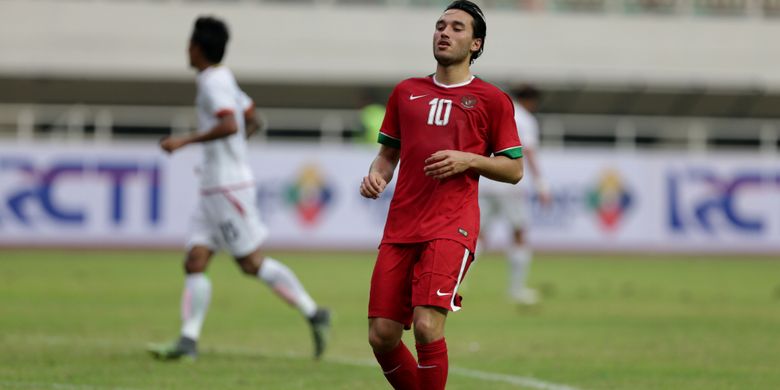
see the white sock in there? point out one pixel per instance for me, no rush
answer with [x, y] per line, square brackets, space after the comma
[519, 263]
[285, 284]
[194, 304]
[480, 249]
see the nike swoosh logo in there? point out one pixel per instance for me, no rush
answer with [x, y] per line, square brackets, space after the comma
[412, 97]
[441, 294]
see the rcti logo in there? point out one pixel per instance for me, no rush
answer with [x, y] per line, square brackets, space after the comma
[609, 200]
[30, 190]
[701, 199]
[310, 194]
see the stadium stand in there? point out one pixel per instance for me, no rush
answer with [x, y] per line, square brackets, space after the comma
[670, 78]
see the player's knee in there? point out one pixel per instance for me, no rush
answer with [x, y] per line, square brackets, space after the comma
[382, 339]
[251, 263]
[195, 264]
[197, 259]
[249, 267]
[381, 342]
[194, 267]
[423, 330]
[519, 236]
[427, 329]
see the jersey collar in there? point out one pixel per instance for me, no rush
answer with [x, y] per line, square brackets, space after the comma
[467, 82]
[205, 72]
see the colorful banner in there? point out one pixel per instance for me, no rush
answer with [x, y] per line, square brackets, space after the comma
[132, 195]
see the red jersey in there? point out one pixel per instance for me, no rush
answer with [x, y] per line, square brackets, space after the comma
[424, 117]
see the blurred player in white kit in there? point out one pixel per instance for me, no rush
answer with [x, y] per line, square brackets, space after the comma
[514, 204]
[226, 216]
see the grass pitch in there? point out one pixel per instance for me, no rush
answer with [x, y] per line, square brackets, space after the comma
[81, 320]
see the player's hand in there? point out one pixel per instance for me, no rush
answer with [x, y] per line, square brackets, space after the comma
[372, 185]
[544, 193]
[170, 144]
[446, 163]
[545, 198]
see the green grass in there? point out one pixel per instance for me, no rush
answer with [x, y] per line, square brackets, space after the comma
[81, 320]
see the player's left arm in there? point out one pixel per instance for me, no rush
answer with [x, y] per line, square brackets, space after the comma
[533, 165]
[254, 122]
[226, 127]
[542, 188]
[446, 163]
[506, 165]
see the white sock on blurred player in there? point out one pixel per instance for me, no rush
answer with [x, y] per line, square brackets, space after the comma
[194, 304]
[480, 249]
[519, 262]
[283, 281]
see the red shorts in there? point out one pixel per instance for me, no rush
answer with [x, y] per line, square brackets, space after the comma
[420, 274]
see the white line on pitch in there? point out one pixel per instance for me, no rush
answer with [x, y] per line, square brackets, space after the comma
[512, 379]
[55, 386]
[516, 380]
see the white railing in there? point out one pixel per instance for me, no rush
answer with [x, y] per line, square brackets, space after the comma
[630, 132]
[75, 123]
[104, 123]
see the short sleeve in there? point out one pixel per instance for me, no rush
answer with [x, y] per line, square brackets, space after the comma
[220, 101]
[504, 140]
[390, 133]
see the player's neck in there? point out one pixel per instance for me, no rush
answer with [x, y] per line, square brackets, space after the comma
[453, 74]
[201, 66]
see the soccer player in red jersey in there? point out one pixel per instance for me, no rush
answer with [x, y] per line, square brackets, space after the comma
[447, 130]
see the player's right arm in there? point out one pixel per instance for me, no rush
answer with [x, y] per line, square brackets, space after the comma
[220, 102]
[224, 128]
[380, 173]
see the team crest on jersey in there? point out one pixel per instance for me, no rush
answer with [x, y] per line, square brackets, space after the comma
[468, 101]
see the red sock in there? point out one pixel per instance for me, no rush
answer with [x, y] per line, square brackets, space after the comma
[399, 367]
[433, 366]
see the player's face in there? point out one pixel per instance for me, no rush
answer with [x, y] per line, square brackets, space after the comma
[191, 53]
[194, 54]
[453, 40]
[530, 104]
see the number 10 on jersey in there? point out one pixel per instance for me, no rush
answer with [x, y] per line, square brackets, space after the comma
[440, 112]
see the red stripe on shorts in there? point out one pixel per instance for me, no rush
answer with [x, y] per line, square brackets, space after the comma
[232, 199]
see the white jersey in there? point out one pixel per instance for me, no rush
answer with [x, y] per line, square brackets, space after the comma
[225, 159]
[499, 200]
[527, 127]
[528, 131]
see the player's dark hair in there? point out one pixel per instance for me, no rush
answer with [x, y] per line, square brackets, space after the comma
[211, 35]
[528, 92]
[479, 25]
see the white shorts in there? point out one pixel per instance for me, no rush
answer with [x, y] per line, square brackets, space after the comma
[515, 206]
[228, 218]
